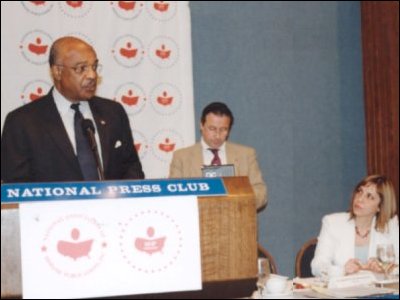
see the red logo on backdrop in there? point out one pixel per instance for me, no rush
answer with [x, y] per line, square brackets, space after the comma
[161, 6]
[127, 10]
[38, 3]
[165, 142]
[141, 144]
[35, 46]
[75, 9]
[163, 52]
[33, 90]
[128, 51]
[167, 145]
[38, 8]
[127, 5]
[36, 94]
[74, 4]
[151, 241]
[131, 96]
[166, 99]
[74, 245]
[161, 10]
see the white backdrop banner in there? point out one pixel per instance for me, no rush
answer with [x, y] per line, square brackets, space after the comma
[145, 50]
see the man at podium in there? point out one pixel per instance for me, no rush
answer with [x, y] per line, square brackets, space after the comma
[55, 137]
[214, 150]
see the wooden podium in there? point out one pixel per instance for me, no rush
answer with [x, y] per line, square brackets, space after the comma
[228, 237]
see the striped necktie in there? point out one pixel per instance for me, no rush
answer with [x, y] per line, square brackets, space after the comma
[216, 161]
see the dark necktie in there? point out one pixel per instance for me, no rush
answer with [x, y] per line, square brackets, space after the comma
[83, 151]
[216, 161]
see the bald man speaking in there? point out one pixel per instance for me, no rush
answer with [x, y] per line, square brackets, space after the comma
[70, 134]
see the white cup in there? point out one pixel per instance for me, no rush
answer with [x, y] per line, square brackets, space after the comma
[276, 284]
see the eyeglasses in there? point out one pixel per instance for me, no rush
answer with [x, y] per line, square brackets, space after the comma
[215, 130]
[83, 69]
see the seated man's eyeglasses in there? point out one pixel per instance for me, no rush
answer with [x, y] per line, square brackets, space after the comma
[82, 69]
[222, 130]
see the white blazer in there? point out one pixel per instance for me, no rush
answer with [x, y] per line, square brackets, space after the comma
[336, 242]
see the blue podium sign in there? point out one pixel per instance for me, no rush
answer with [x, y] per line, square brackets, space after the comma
[28, 192]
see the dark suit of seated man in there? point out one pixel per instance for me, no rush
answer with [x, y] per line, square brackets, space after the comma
[40, 142]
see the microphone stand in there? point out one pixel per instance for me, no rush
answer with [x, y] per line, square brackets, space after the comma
[89, 128]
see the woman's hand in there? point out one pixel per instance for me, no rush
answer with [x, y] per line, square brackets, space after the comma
[374, 266]
[352, 266]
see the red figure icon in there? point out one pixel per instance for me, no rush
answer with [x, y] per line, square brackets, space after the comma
[150, 245]
[130, 99]
[127, 5]
[75, 4]
[163, 53]
[33, 96]
[167, 146]
[128, 52]
[37, 3]
[75, 249]
[164, 99]
[37, 48]
[161, 6]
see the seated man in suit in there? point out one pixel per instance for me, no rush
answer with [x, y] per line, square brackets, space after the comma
[45, 141]
[216, 123]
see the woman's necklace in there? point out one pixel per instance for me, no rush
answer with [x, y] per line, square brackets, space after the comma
[363, 236]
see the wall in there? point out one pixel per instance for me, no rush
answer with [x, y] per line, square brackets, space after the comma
[291, 73]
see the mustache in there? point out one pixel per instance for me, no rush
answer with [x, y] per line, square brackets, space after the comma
[90, 83]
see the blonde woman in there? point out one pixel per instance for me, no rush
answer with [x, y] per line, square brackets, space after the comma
[348, 241]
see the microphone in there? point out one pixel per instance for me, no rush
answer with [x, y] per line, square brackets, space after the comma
[87, 124]
[88, 128]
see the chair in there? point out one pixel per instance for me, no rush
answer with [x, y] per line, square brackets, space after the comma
[263, 253]
[304, 258]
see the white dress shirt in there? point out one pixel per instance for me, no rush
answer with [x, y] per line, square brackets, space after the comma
[208, 155]
[67, 116]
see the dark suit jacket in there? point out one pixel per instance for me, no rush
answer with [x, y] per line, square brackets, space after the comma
[35, 146]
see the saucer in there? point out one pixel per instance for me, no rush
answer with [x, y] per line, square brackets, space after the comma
[380, 279]
[288, 293]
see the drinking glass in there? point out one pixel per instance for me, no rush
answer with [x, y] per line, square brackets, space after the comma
[262, 274]
[386, 257]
